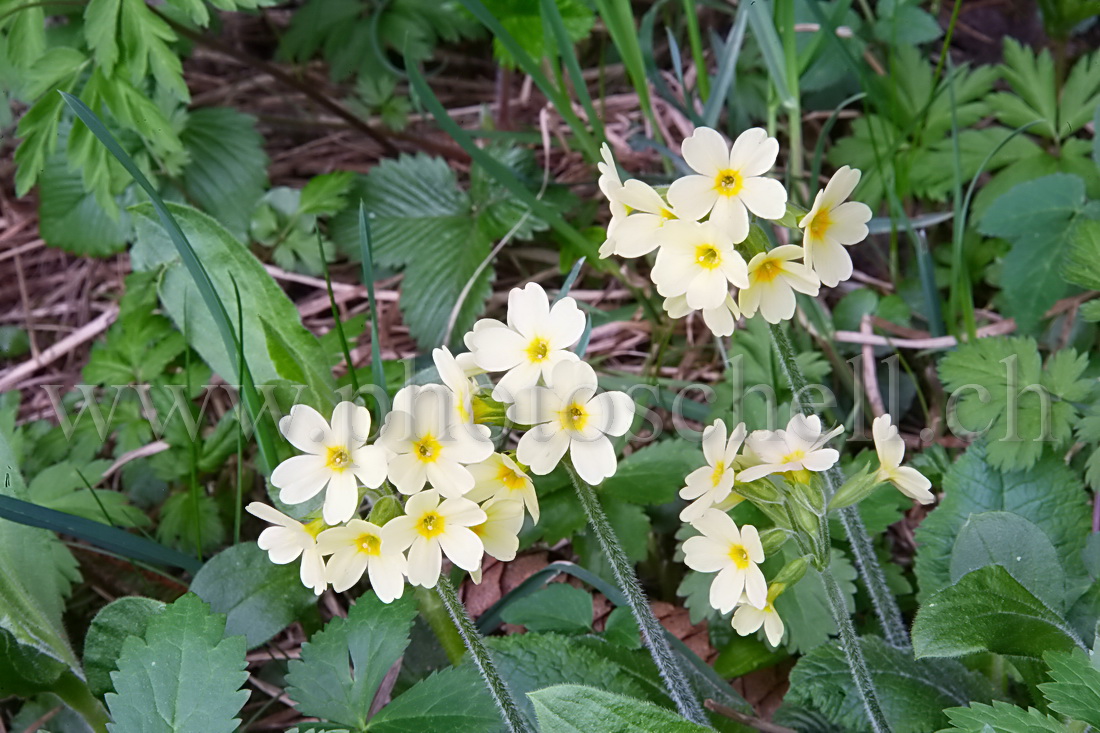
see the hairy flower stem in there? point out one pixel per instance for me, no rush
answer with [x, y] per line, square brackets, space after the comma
[653, 634]
[480, 653]
[863, 554]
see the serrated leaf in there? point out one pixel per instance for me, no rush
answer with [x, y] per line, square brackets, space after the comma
[115, 622]
[1075, 691]
[1015, 544]
[988, 610]
[523, 20]
[181, 676]
[557, 607]
[1082, 263]
[653, 474]
[258, 597]
[1031, 76]
[227, 170]
[190, 523]
[451, 699]
[1001, 717]
[342, 665]
[912, 692]
[1049, 495]
[72, 219]
[581, 709]
[999, 385]
[325, 194]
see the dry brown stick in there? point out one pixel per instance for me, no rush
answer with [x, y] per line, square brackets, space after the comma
[870, 374]
[85, 333]
[761, 725]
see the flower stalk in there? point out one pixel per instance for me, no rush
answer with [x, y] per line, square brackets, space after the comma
[653, 634]
[498, 688]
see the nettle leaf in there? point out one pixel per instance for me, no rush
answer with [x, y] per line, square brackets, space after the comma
[1049, 495]
[912, 692]
[1075, 691]
[988, 610]
[450, 699]
[1018, 546]
[227, 172]
[1004, 393]
[182, 676]
[654, 473]
[1001, 717]
[232, 268]
[342, 665]
[1039, 218]
[581, 709]
[258, 597]
[112, 626]
[557, 607]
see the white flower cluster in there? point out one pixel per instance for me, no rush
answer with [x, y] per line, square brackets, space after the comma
[464, 498]
[697, 226]
[795, 452]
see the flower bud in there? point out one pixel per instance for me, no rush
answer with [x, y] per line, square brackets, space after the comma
[760, 491]
[772, 539]
[488, 411]
[385, 509]
[792, 572]
[855, 489]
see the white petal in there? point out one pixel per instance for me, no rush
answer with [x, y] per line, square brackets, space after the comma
[516, 380]
[729, 214]
[369, 464]
[692, 196]
[849, 222]
[528, 309]
[408, 473]
[270, 514]
[719, 526]
[566, 324]
[773, 627]
[888, 444]
[640, 196]
[706, 554]
[831, 262]
[747, 619]
[462, 512]
[573, 380]
[425, 562]
[305, 428]
[387, 576]
[282, 544]
[450, 478]
[312, 572]
[714, 442]
[750, 540]
[542, 448]
[462, 547]
[350, 425]
[593, 459]
[777, 302]
[345, 568]
[705, 151]
[820, 460]
[764, 197]
[617, 410]
[753, 152]
[707, 289]
[726, 588]
[756, 588]
[497, 349]
[913, 484]
[300, 478]
[534, 405]
[341, 498]
[840, 187]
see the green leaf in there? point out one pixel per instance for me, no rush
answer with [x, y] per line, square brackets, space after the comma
[804, 608]
[182, 676]
[1018, 546]
[1049, 495]
[901, 22]
[912, 692]
[1032, 80]
[374, 635]
[557, 607]
[1082, 265]
[258, 597]
[988, 610]
[229, 264]
[1075, 691]
[621, 628]
[190, 522]
[115, 622]
[451, 699]
[1003, 392]
[326, 194]
[1001, 717]
[580, 709]
[227, 172]
[524, 21]
[1039, 218]
[653, 474]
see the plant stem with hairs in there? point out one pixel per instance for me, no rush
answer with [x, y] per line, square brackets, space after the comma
[653, 634]
[502, 696]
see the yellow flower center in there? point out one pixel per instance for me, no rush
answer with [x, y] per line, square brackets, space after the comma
[768, 270]
[427, 449]
[819, 225]
[338, 459]
[719, 470]
[728, 182]
[666, 215]
[315, 527]
[740, 556]
[538, 349]
[431, 525]
[707, 257]
[795, 455]
[369, 544]
[512, 480]
[574, 417]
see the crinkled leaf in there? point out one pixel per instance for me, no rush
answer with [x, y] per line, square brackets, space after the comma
[579, 709]
[115, 622]
[342, 665]
[183, 675]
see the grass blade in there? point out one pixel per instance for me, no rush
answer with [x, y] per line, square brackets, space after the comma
[763, 28]
[727, 68]
[264, 437]
[570, 279]
[367, 255]
[618, 16]
[95, 533]
[568, 54]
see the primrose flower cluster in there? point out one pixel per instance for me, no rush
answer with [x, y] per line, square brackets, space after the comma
[462, 496]
[700, 231]
[743, 467]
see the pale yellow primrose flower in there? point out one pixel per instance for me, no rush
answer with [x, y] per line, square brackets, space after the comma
[833, 222]
[712, 483]
[800, 446]
[337, 457]
[431, 528]
[722, 321]
[363, 547]
[568, 415]
[773, 278]
[891, 449]
[747, 619]
[499, 477]
[733, 554]
[643, 230]
[535, 340]
[288, 540]
[730, 180]
[698, 261]
[430, 444]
